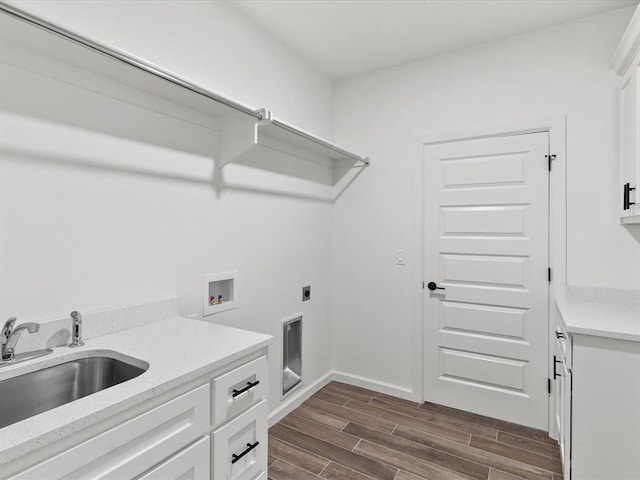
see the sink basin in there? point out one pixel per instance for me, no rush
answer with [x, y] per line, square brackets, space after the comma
[36, 392]
[23, 357]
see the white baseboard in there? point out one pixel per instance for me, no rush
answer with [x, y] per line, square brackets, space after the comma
[297, 399]
[377, 386]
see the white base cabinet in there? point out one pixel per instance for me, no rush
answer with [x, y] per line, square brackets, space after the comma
[185, 436]
[605, 425]
[563, 382]
[597, 401]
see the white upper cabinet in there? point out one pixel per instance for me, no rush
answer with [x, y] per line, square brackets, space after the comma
[626, 63]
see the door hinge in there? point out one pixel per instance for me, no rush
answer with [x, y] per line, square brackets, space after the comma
[550, 158]
[549, 386]
[549, 274]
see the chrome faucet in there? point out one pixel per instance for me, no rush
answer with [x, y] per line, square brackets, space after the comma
[10, 336]
[76, 330]
[6, 333]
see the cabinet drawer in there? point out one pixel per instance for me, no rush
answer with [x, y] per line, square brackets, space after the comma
[233, 392]
[134, 446]
[192, 463]
[232, 455]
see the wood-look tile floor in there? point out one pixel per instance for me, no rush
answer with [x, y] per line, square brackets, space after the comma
[350, 433]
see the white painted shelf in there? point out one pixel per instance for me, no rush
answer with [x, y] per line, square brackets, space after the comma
[633, 220]
[289, 134]
[264, 142]
[31, 43]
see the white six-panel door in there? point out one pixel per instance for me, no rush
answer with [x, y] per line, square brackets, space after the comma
[486, 244]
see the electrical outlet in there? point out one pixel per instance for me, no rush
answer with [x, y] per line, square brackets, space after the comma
[306, 293]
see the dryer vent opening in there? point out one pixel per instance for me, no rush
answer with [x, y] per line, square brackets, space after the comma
[291, 353]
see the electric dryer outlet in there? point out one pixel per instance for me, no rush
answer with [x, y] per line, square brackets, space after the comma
[306, 293]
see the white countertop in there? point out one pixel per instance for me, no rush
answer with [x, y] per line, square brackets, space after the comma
[602, 313]
[177, 350]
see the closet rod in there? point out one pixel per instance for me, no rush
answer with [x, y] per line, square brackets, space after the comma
[170, 77]
[122, 57]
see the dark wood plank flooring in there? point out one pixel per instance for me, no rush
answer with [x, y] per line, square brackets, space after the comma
[351, 433]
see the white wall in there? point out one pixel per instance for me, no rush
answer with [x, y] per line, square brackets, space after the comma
[559, 70]
[103, 203]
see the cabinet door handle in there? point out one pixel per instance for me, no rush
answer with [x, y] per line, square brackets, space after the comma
[245, 389]
[555, 362]
[625, 196]
[559, 335]
[250, 446]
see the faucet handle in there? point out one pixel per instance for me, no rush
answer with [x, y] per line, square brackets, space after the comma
[7, 330]
[76, 329]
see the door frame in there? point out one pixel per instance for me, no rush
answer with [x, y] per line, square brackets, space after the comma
[556, 126]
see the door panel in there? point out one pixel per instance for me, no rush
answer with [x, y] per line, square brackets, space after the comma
[486, 243]
[488, 320]
[482, 370]
[483, 171]
[498, 220]
[483, 269]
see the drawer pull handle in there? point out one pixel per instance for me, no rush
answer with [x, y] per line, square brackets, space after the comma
[555, 362]
[245, 389]
[250, 446]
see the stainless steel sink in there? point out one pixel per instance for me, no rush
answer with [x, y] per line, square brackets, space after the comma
[36, 392]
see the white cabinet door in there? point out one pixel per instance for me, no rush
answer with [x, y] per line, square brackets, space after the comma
[192, 463]
[565, 418]
[563, 412]
[626, 63]
[557, 393]
[562, 391]
[239, 448]
[133, 447]
[630, 148]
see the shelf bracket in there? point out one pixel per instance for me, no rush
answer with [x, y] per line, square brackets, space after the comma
[265, 117]
[235, 142]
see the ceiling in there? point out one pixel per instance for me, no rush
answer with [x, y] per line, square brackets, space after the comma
[345, 38]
